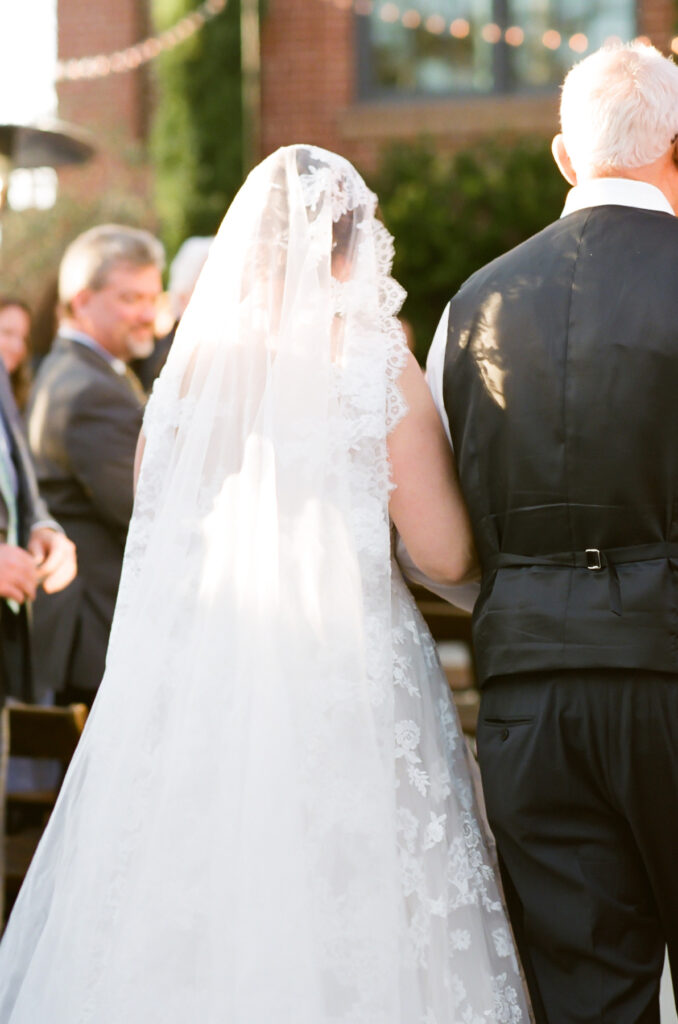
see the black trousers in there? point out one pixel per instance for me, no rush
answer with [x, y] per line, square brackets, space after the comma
[580, 773]
[15, 655]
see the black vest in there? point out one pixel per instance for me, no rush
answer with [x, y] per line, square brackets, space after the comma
[561, 387]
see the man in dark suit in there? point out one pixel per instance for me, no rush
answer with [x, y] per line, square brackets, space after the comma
[84, 418]
[556, 368]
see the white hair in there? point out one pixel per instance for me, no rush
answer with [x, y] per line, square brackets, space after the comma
[187, 264]
[89, 259]
[619, 109]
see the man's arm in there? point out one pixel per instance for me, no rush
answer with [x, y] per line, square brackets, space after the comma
[49, 558]
[54, 558]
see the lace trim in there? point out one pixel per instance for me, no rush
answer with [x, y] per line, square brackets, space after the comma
[333, 177]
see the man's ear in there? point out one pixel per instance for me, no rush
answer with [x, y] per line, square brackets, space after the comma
[80, 300]
[561, 157]
[674, 151]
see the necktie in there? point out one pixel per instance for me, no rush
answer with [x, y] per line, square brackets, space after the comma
[135, 385]
[9, 497]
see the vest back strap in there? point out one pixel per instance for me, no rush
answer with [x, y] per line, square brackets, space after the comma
[593, 559]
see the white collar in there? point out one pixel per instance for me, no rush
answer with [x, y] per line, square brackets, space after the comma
[616, 192]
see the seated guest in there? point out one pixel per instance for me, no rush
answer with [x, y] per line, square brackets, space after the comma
[84, 416]
[183, 275]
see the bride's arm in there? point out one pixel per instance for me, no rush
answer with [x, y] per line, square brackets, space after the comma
[427, 506]
[138, 456]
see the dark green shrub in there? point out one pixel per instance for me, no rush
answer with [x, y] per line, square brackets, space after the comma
[451, 214]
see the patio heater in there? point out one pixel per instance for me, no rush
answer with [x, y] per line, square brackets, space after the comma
[48, 143]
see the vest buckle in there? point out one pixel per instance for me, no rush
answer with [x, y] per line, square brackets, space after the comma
[593, 559]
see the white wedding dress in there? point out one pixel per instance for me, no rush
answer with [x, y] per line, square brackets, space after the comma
[270, 818]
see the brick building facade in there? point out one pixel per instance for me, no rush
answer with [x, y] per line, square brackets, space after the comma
[116, 109]
[309, 87]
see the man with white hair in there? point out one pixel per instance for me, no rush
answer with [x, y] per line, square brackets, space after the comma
[556, 369]
[84, 418]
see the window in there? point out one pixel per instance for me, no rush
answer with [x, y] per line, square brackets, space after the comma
[446, 47]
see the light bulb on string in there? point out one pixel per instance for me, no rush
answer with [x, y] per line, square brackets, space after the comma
[102, 65]
[411, 19]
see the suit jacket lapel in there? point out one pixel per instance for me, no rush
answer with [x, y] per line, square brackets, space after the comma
[29, 505]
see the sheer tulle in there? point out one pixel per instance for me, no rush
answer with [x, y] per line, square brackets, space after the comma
[270, 818]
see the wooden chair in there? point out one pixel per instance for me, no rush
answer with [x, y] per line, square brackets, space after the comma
[39, 733]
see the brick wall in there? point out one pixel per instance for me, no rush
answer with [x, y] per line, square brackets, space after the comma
[116, 108]
[308, 78]
[658, 19]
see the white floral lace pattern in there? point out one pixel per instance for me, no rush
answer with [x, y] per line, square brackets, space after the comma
[330, 177]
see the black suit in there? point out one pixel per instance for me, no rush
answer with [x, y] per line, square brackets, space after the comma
[561, 387]
[15, 678]
[83, 422]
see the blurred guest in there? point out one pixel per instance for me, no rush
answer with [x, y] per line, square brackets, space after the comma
[83, 420]
[184, 273]
[15, 327]
[44, 321]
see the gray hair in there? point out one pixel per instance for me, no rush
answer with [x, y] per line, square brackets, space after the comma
[89, 259]
[619, 109]
[186, 266]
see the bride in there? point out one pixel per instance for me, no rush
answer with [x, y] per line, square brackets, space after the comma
[270, 818]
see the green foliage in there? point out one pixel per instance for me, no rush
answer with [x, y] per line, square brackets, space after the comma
[196, 139]
[450, 215]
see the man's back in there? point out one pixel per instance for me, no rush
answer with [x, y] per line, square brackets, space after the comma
[560, 381]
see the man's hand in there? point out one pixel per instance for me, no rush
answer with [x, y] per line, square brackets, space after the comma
[54, 558]
[19, 577]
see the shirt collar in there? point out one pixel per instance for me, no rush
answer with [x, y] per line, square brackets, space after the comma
[73, 334]
[616, 192]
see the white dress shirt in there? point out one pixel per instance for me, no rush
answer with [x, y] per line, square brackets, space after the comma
[595, 192]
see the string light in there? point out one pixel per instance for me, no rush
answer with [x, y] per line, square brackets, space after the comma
[389, 12]
[514, 36]
[101, 65]
[552, 39]
[491, 33]
[411, 19]
[435, 24]
[578, 42]
[460, 28]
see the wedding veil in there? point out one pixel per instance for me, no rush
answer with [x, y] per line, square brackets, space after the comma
[231, 806]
